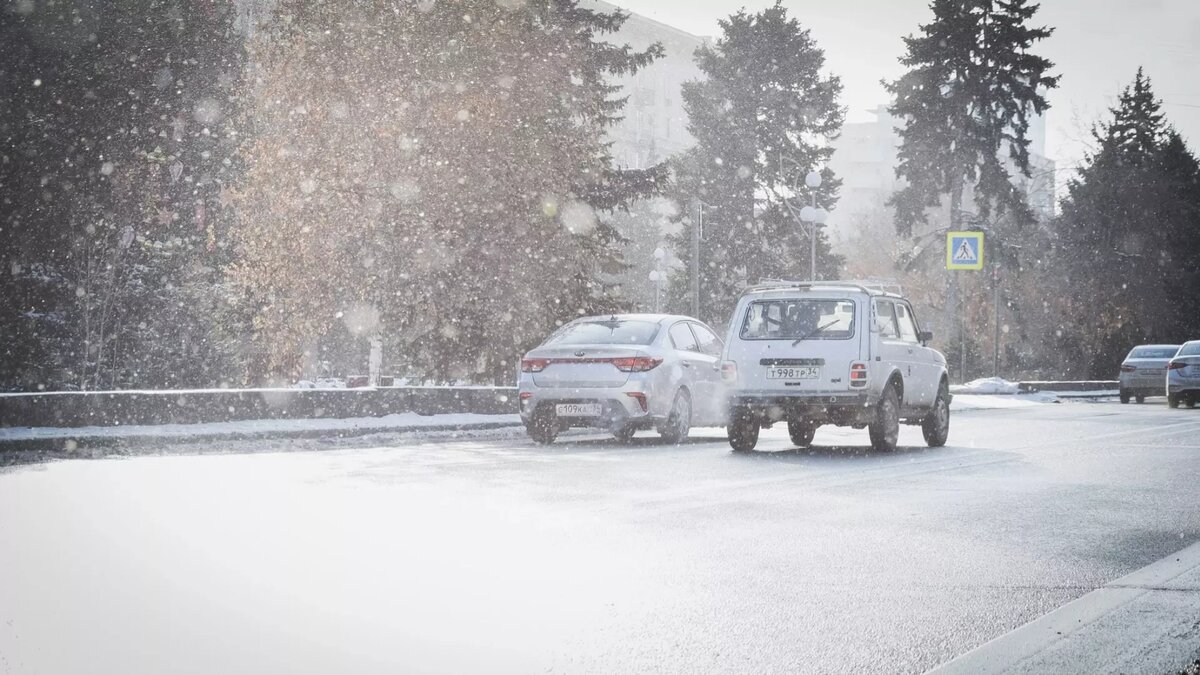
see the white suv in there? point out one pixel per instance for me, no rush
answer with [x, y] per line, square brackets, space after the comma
[832, 352]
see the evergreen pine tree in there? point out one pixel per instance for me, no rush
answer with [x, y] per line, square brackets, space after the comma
[755, 117]
[965, 102]
[115, 146]
[1125, 239]
[432, 173]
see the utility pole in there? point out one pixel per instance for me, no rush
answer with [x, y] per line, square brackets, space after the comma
[697, 232]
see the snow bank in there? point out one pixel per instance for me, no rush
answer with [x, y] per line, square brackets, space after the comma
[1001, 401]
[986, 385]
[396, 422]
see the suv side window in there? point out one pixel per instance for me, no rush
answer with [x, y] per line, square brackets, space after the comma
[885, 317]
[682, 338]
[709, 343]
[904, 319]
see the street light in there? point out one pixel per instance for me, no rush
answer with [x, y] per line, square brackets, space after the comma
[815, 217]
[656, 276]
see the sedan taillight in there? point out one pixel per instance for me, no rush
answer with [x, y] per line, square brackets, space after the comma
[534, 365]
[1126, 368]
[1177, 365]
[636, 364]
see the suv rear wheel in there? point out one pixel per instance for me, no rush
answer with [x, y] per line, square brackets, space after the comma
[885, 428]
[743, 430]
[936, 425]
[802, 432]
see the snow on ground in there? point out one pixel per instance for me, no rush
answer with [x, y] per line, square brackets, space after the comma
[1001, 401]
[986, 385]
[396, 422]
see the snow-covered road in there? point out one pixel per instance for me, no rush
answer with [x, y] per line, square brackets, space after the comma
[496, 555]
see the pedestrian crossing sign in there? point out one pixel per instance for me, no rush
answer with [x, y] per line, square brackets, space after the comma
[964, 250]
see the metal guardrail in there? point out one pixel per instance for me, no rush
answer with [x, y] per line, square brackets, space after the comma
[1082, 385]
[115, 408]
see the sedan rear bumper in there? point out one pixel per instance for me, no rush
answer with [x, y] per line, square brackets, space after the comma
[619, 407]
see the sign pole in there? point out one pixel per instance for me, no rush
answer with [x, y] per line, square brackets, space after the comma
[964, 251]
[996, 320]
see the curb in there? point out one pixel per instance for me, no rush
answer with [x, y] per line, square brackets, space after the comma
[1087, 631]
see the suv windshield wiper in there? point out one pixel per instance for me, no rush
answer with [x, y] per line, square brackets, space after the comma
[813, 332]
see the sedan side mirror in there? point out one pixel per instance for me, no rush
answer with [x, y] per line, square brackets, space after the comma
[925, 336]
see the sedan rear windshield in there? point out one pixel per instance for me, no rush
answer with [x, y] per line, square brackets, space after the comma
[616, 332]
[793, 319]
[1190, 349]
[1153, 352]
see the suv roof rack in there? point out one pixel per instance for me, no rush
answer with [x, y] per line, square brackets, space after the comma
[879, 286]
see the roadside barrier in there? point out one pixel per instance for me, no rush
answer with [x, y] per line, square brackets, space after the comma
[1081, 385]
[116, 408]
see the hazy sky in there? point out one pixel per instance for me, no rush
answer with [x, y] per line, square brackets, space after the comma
[1097, 47]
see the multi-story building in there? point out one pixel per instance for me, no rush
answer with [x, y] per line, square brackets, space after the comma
[655, 123]
[865, 158]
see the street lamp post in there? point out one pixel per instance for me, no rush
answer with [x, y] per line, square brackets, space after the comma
[815, 217]
[656, 275]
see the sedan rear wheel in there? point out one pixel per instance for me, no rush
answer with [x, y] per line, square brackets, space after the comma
[679, 421]
[543, 425]
[624, 433]
[1124, 396]
[1172, 400]
[1140, 399]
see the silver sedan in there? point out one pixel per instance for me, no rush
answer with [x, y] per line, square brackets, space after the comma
[622, 373]
[1183, 376]
[1142, 371]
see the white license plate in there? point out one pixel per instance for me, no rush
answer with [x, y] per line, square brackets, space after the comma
[578, 409]
[794, 373]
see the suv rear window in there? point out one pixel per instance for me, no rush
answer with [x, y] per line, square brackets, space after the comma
[791, 319]
[616, 332]
[1153, 352]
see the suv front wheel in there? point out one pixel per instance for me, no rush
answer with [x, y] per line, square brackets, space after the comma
[885, 428]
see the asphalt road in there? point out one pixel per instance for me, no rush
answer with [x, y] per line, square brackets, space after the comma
[588, 556]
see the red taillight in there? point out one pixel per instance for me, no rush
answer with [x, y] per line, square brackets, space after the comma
[640, 398]
[728, 371]
[858, 374]
[534, 365]
[1127, 368]
[636, 364]
[526, 395]
[1175, 365]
